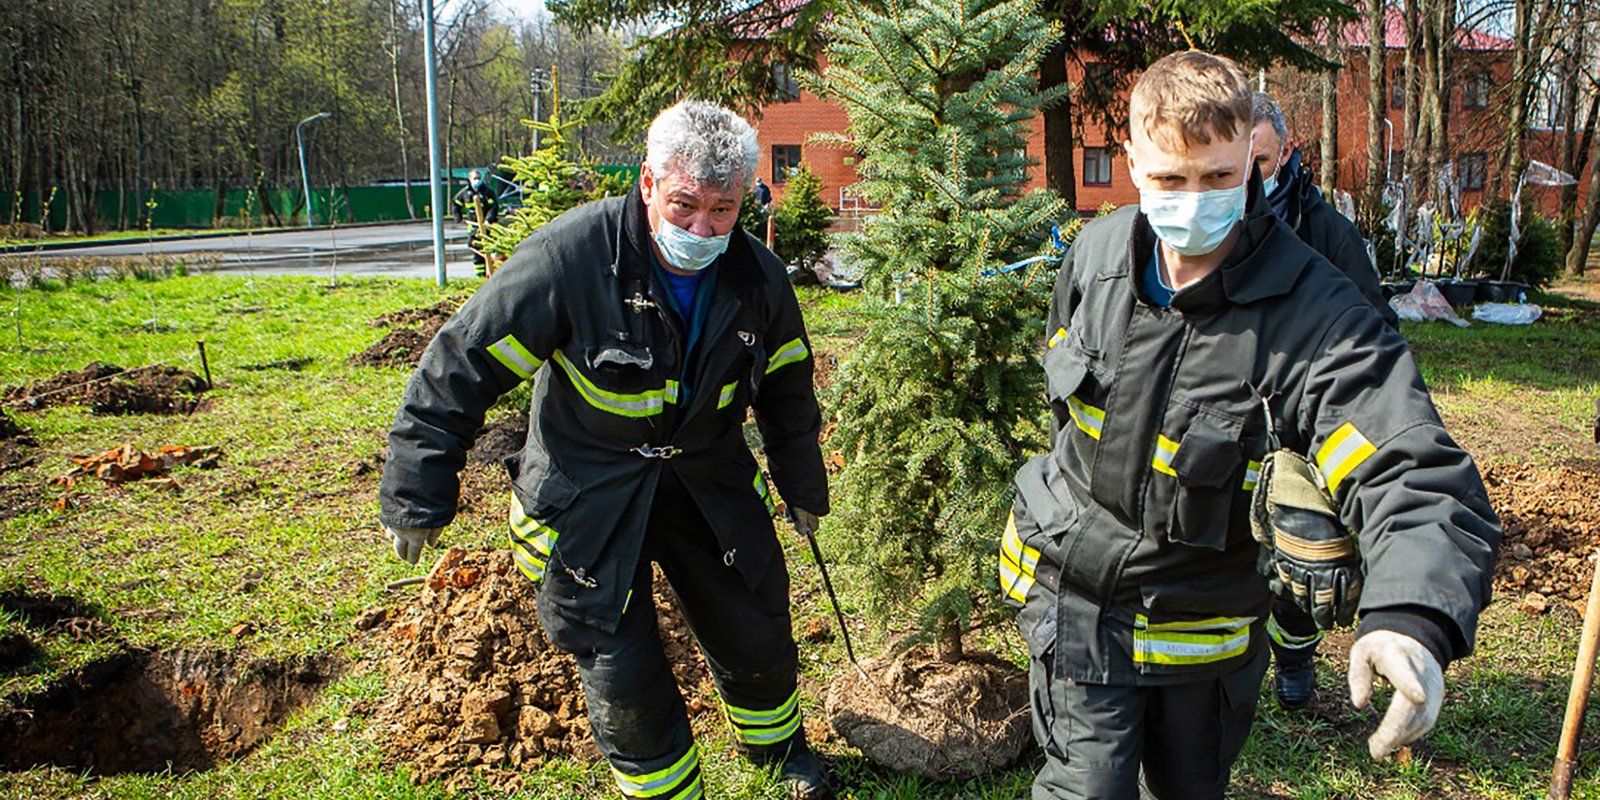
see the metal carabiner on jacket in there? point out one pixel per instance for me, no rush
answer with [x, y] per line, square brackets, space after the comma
[639, 303]
[664, 452]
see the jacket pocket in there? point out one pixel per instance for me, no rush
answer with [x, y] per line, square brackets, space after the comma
[1066, 370]
[539, 485]
[1206, 464]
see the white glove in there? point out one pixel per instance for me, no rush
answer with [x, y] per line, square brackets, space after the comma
[805, 523]
[408, 542]
[1418, 682]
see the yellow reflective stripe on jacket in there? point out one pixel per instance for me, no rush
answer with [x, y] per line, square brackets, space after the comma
[1090, 420]
[1341, 453]
[790, 353]
[1166, 451]
[1057, 338]
[1252, 475]
[663, 781]
[765, 727]
[531, 542]
[1194, 642]
[643, 404]
[1018, 563]
[726, 398]
[515, 357]
[766, 496]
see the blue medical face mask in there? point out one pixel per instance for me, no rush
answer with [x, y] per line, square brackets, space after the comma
[1269, 184]
[685, 250]
[1194, 223]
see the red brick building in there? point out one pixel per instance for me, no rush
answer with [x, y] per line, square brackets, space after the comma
[1477, 124]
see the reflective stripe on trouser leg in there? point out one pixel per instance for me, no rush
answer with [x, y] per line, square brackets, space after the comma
[679, 780]
[531, 542]
[764, 727]
[1288, 641]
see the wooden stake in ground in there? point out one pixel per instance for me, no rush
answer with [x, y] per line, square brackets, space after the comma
[1578, 696]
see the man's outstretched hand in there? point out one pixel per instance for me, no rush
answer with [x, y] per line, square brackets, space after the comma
[408, 542]
[1418, 682]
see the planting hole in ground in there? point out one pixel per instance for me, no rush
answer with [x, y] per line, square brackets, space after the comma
[110, 389]
[412, 330]
[154, 711]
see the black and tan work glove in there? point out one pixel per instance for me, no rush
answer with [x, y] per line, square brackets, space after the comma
[1308, 556]
[408, 542]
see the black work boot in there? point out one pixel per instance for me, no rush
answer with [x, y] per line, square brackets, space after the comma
[804, 775]
[1295, 682]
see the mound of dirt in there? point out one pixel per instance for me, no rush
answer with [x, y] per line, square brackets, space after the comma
[413, 329]
[14, 444]
[480, 693]
[110, 389]
[941, 721]
[500, 439]
[1552, 525]
[151, 711]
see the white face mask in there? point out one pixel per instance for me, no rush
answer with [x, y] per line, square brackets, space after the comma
[685, 250]
[1269, 184]
[1194, 223]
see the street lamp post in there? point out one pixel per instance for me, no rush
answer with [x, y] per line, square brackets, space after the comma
[305, 178]
[435, 188]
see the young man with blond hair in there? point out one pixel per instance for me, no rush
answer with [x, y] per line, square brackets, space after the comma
[1190, 338]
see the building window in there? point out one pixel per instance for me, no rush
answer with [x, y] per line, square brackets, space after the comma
[785, 88]
[785, 157]
[1472, 167]
[1096, 166]
[1475, 91]
[1397, 87]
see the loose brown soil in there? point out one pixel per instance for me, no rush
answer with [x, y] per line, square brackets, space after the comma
[941, 721]
[1552, 525]
[110, 389]
[500, 439]
[479, 692]
[412, 330]
[151, 711]
[15, 444]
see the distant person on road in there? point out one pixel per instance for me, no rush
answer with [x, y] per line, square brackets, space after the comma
[485, 210]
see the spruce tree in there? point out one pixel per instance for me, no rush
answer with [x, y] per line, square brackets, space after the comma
[802, 220]
[936, 405]
[554, 178]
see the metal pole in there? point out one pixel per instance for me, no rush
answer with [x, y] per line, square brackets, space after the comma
[538, 90]
[305, 177]
[435, 189]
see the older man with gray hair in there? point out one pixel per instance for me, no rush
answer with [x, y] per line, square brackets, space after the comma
[648, 325]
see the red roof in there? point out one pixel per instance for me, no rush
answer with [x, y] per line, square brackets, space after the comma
[764, 18]
[1394, 35]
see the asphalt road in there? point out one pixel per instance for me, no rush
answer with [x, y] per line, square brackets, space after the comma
[404, 250]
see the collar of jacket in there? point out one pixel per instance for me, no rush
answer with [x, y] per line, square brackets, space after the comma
[737, 268]
[1258, 267]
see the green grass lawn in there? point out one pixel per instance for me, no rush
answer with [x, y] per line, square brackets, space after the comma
[283, 539]
[135, 235]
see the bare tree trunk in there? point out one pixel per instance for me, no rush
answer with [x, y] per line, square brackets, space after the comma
[1377, 102]
[399, 116]
[1413, 97]
[1432, 104]
[1329, 167]
[1058, 129]
[1578, 254]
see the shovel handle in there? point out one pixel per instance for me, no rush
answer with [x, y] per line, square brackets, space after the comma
[1578, 696]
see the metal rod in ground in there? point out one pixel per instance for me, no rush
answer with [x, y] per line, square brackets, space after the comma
[1578, 696]
[404, 582]
[205, 365]
[827, 583]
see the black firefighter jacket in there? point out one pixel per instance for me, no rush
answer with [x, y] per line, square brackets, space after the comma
[1333, 236]
[1131, 552]
[577, 310]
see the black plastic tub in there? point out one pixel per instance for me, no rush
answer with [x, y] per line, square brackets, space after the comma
[1396, 288]
[1501, 292]
[1459, 293]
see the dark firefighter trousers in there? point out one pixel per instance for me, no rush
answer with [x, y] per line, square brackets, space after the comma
[1182, 737]
[1292, 632]
[635, 708]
